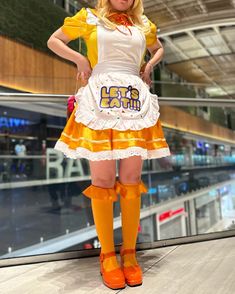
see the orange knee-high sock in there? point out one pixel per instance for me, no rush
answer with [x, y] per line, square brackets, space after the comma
[103, 217]
[130, 202]
[130, 215]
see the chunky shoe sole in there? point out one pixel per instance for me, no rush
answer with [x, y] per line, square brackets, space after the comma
[120, 282]
[134, 284]
[114, 286]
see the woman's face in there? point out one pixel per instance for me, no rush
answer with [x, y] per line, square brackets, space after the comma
[121, 5]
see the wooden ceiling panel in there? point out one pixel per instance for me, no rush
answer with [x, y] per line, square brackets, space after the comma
[218, 5]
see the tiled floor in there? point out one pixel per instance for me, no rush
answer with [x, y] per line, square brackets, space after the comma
[198, 268]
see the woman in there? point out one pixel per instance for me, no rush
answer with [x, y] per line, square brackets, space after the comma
[115, 117]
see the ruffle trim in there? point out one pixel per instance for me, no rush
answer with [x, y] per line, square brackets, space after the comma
[100, 193]
[119, 123]
[91, 18]
[81, 152]
[131, 191]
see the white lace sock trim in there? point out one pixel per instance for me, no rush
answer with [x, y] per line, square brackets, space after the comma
[81, 152]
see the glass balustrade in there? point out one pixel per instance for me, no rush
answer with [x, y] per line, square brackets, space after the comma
[43, 210]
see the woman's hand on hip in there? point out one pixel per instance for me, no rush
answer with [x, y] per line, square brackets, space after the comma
[145, 73]
[84, 68]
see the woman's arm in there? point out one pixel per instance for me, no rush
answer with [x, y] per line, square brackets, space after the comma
[58, 44]
[157, 53]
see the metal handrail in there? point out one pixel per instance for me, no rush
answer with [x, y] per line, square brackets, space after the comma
[58, 98]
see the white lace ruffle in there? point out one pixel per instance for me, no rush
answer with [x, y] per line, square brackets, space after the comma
[81, 152]
[91, 114]
[145, 20]
[91, 18]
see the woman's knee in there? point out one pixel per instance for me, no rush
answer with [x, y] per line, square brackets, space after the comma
[129, 179]
[130, 170]
[104, 182]
[103, 173]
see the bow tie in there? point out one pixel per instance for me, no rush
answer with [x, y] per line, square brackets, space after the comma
[121, 19]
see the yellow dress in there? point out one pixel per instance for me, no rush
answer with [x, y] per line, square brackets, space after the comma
[115, 116]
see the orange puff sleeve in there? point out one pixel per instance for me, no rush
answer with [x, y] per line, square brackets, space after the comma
[75, 26]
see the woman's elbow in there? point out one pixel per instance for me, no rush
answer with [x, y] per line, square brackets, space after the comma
[49, 42]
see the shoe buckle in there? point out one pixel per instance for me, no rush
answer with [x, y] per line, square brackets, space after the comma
[127, 251]
[106, 255]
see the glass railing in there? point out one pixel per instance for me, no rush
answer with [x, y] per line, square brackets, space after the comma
[15, 168]
[43, 210]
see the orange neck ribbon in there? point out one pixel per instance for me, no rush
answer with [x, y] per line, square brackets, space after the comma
[121, 19]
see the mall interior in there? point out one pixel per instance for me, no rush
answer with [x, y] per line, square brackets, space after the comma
[186, 235]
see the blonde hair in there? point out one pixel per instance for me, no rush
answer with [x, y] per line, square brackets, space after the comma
[135, 12]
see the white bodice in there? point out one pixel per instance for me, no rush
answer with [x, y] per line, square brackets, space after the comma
[117, 47]
[113, 46]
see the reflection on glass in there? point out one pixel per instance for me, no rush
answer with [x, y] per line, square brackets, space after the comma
[43, 210]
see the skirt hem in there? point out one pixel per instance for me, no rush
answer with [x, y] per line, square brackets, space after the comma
[81, 152]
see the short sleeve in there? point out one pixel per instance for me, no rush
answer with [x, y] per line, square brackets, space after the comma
[75, 26]
[151, 37]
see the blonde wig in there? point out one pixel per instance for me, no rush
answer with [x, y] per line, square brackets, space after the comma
[135, 12]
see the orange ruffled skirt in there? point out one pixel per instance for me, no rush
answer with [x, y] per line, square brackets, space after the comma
[79, 141]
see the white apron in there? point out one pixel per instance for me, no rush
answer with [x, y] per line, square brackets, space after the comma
[115, 96]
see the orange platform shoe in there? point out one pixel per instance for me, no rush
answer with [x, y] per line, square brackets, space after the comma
[133, 274]
[113, 279]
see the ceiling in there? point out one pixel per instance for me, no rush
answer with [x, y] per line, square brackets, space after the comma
[199, 41]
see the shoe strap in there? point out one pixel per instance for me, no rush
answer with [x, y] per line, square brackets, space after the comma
[106, 255]
[127, 251]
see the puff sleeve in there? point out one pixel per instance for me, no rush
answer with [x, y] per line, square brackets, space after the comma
[75, 26]
[151, 37]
